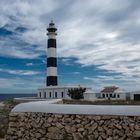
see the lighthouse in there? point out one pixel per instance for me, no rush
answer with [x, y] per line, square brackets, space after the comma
[52, 90]
[51, 79]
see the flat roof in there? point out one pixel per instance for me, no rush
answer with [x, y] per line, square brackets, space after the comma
[62, 87]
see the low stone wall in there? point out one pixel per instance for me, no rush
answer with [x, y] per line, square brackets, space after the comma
[46, 126]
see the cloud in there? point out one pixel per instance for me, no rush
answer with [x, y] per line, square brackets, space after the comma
[29, 64]
[20, 72]
[76, 73]
[23, 18]
[97, 33]
[18, 85]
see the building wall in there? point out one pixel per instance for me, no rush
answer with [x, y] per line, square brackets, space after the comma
[90, 96]
[118, 96]
[53, 93]
[56, 93]
[46, 126]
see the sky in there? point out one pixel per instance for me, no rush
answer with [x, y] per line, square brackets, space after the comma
[98, 43]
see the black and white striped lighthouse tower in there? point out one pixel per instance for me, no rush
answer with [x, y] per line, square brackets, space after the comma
[51, 79]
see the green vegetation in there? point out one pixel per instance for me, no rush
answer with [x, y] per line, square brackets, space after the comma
[76, 93]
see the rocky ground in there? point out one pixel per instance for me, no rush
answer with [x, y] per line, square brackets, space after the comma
[5, 108]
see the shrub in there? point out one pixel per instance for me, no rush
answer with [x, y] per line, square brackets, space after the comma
[76, 93]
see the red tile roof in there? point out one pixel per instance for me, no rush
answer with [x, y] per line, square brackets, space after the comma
[109, 89]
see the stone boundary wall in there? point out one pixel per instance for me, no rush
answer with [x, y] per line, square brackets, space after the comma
[47, 126]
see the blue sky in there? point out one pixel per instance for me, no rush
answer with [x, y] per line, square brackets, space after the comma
[98, 43]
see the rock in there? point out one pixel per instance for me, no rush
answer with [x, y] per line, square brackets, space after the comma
[42, 138]
[90, 137]
[77, 120]
[80, 129]
[53, 130]
[96, 118]
[96, 134]
[55, 136]
[12, 119]
[101, 122]
[136, 134]
[115, 137]
[106, 117]
[100, 129]
[99, 138]
[12, 124]
[73, 129]
[38, 135]
[123, 138]
[79, 126]
[137, 126]
[58, 116]
[131, 126]
[109, 132]
[109, 138]
[118, 126]
[42, 131]
[87, 126]
[13, 114]
[85, 133]
[77, 136]
[103, 135]
[50, 119]
[68, 129]
[59, 125]
[94, 126]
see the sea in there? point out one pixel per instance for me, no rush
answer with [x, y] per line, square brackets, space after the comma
[11, 96]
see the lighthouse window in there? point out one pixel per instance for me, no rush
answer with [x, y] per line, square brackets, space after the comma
[50, 94]
[62, 94]
[55, 94]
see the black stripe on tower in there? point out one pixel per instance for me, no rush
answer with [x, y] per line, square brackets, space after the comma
[52, 80]
[51, 43]
[51, 62]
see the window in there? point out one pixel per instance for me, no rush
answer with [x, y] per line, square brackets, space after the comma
[50, 94]
[111, 95]
[103, 95]
[44, 94]
[118, 96]
[62, 94]
[55, 94]
[40, 94]
[106, 95]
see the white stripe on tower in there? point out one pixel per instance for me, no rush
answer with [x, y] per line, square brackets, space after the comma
[51, 52]
[51, 56]
[52, 71]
